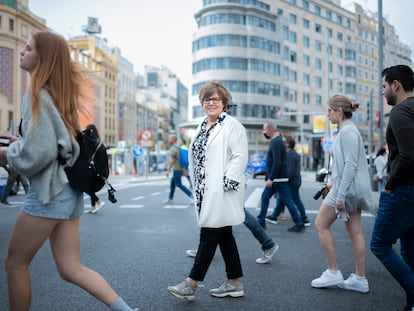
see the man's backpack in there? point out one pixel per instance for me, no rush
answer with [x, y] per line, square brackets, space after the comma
[91, 170]
[183, 160]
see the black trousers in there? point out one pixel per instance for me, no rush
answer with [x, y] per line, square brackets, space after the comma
[209, 239]
[94, 198]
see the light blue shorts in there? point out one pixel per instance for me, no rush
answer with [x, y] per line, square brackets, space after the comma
[66, 205]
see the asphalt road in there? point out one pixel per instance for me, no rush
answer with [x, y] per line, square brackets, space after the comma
[138, 245]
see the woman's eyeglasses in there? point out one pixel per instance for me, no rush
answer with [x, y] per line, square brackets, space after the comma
[213, 100]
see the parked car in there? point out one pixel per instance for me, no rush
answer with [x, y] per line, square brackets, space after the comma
[256, 165]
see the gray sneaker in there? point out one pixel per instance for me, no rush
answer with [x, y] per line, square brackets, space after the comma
[228, 289]
[182, 290]
[168, 201]
[268, 254]
[191, 252]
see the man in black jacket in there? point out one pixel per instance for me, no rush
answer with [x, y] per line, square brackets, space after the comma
[277, 179]
[395, 216]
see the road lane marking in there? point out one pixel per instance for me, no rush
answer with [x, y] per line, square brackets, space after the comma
[131, 206]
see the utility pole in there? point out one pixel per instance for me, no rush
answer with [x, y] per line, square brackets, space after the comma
[380, 68]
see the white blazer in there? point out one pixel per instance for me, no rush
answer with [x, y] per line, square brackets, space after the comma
[226, 155]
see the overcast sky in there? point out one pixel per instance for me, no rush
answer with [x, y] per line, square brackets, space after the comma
[159, 32]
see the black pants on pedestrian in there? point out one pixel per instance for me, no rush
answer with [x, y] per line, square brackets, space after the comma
[209, 239]
[94, 198]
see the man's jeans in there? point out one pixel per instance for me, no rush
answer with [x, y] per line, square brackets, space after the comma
[257, 230]
[294, 192]
[176, 182]
[395, 220]
[283, 192]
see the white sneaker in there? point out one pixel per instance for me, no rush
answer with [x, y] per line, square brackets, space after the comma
[268, 254]
[191, 252]
[168, 201]
[328, 279]
[352, 283]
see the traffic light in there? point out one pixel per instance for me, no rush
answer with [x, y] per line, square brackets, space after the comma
[368, 111]
[279, 112]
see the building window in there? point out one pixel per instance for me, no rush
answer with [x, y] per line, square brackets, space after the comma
[306, 60]
[292, 37]
[11, 24]
[305, 5]
[317, 10]
[318, 63]
[306, 79]
[306, 23]
[329, 15]
[306, 41]
[318, 28]
[292, 56]
[318, 82]
[306, 98]
[318, 100]
[292, 18]
[330, 33]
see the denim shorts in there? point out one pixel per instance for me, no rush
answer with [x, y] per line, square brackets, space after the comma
[68, 204]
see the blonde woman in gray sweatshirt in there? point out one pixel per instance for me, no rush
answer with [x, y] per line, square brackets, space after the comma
[349, 195]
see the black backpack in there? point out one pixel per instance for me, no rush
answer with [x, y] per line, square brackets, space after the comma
[91, 170]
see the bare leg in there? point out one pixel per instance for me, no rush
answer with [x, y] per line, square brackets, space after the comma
[20, 254]
[326, 216]
[65, 245]
[353, 226]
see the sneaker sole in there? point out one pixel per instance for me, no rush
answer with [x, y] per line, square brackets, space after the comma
[231, 294]
[307, 224]
[272, 221]
[189, 298]
[191, 254]
[327, 284]
[360, 290]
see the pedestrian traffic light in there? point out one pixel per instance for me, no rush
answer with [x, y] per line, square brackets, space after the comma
[279, 112]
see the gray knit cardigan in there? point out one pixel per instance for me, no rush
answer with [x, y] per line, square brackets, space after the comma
[35, 154]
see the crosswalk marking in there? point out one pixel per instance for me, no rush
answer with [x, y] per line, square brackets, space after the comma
[138, 198]
[254, 198]
[176, 206]
[131, 206]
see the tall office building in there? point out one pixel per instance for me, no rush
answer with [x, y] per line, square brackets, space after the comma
[283, 59]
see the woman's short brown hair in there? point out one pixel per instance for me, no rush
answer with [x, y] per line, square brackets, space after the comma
[212, 87]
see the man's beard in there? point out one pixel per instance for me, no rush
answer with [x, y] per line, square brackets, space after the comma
[391, 99]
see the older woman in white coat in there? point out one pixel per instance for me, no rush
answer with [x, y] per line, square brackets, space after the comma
[350, 193]
[217, 159]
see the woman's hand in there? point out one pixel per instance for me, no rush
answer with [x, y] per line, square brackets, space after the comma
[10, 138]
[340, 206]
